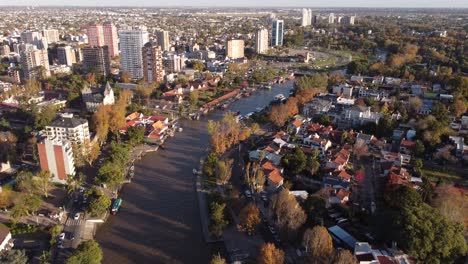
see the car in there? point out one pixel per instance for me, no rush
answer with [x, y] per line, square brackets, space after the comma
[62, 236]
[248, 194]
[77, 216]
[60, 244]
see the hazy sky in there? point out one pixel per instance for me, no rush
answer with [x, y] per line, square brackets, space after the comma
[249, 3]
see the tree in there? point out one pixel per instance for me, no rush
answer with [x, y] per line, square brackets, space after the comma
[459, 107]
[224, 171]
[44, 182]
[278, 115]
[99, 204]
[33, 203]
[6, 198]
[249, 218]
[44, 117]
[255, 127]
[217, 259]
[101, 122]
[269, 254]
[318, 242]
[110, 173]
[415, 104]
[18, 211]
[136, 135]
[452, 202]
[88, 252]
[193, 98]
[294, 162]
[13, 256]
[312, 165]
[54, 232]
[343, 256]
[288, 213]
[126, 77]
[430, 237]
[218, 219]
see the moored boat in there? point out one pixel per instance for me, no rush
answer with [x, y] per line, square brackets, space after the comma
[116, 206]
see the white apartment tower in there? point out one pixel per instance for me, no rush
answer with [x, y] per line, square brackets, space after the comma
[306, 17]
[261, 41]
[331, 18]
[235, 49]
[66, 55]
[277, 30]
[52, 35]
[68, 128]
[31, 61]
[35, 38]
[162, 37]
[131, 44]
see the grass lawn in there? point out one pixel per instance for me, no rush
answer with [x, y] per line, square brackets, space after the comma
[446, 175]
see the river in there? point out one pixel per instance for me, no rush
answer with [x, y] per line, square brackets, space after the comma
[159, 221]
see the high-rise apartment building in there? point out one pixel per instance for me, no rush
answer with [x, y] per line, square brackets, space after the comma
[235, 49]
[56, 156]
[153, 69]
[66, 55]
[35, 38]
[34, 62]
[331, 18]
[261, 41]
[277, 30]
[348, 20]
[131, 44]
[306, 17]
[96, 59]
[95, 35]
[52, 35]
[4, 50]
[172, 63]
[111, 39]
[162, 37]
[68, 128]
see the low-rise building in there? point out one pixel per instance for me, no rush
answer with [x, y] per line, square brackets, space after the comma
[68, 128]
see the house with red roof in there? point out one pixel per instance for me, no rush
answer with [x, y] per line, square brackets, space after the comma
[407, 146]
[273, 174]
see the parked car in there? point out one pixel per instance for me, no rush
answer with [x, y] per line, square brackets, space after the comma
[77, 216]
[248, 194]
[62, 236]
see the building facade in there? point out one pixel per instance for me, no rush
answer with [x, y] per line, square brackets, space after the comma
[35, 38]
[96, 59]
[131, 44]
[66, 56]
[68, 128]
[95, 35]
[34, 62]
[331, 18]
[94, 99]
[261, 41]
[52, 35]
[111, 39]
[306, 17]
[162, 37]
[153, 69]
[235, 49]
[56, 156]
[277, 30]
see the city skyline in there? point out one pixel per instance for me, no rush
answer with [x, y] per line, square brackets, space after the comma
[262, 3]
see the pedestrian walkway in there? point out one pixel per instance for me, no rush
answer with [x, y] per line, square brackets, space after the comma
[73, 222]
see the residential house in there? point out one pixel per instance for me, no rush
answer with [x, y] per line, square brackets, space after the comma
[156, 127]
[295, 126]
[273, 175]
[339, 160]
[94, 98]
[399, 159]
[339, 196]
[6, 241]
[315, 142]
[316, 107]
[364, 253]
[407, 146]
[358, 115]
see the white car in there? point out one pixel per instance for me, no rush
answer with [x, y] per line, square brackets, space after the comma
[77, 216]
[62, 236]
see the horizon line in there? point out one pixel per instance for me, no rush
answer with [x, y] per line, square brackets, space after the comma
[213, 7]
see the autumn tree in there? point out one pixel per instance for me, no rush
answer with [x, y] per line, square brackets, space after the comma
[459, 107]
[217, 259]
[126, 77]
[343, 256]
[193, 98]
[249, 218]
[101, 122]
[288, 213]
[218, 221]
[43, 181]
[255, 127]
[278, 116]
[318, 242]
[224, 133]
[254, 176]
[452, 202]
[415, 104]
[269, 254]
[6, 198]
[223, 171]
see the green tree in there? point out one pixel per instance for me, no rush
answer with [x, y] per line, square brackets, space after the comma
[54, 232]
[88, 252]
[136, 135]
[13, 256]
[294, 162]
[43, 181]
[224, 171]
[44, 117]
[33, 203]
[99, 204]
[193, 98]
[218, 219]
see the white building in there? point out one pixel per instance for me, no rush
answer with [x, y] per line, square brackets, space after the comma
[52, 35]
[131, 44]
[68, 128]
[235, 49]
[359, 115]
[261, 41]
[56, 156]
[277, 31]
[162, 37]
[331, 18]
[5, 239]
[32, 60]
[306, 17]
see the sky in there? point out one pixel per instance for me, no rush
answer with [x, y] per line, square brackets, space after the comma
[250, 3]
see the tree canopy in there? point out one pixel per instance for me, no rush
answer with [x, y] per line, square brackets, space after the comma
[88, 252]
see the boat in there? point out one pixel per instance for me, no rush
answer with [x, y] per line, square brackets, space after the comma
[280, 97]
[268, 87]
[116, 206]
[224, 106]
[180, 129]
